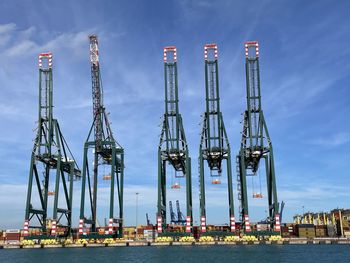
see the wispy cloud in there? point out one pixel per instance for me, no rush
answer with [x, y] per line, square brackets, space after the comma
[6, 28]
[332, 140]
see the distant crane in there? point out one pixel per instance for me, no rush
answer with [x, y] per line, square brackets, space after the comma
[214, 146]
[281, 210]
[51, 159]
[173, 219]
[256, 143]
[147, 220]
[173, 148]
[105, 151]
[180, 216]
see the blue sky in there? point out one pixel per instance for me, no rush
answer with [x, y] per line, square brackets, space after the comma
[304, 78]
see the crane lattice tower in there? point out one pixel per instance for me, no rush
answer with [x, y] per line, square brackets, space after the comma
[106, 152]
[51, 163]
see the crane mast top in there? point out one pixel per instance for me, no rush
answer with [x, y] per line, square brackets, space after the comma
[214, 140]
[175, 142]
[213, 120]
[46, 101]
[97, 93]
[254, 132]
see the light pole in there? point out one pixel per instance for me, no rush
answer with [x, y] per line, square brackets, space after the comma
[137, 207]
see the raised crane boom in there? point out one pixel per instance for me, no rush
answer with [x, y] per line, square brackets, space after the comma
[106, 152]
[256, 143]
[173, 148]
[214, 146]
[97, 94]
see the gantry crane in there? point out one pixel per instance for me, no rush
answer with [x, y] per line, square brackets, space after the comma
[180, 216]
[214, 146]
[173, 218]
[51, 163]
[106, 153]
[173, 148]
[256, 143]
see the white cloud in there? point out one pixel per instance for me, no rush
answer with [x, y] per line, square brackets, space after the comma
[6, 28]
[24, 43]
[22, 48]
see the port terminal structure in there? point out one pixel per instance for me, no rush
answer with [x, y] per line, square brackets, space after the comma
[106, 154]
[214, 146]
[255, 144]
[173, 147]
[52, 163]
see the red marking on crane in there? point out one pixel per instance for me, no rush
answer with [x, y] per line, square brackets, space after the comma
[110, 226]
[249, 44]
[277, 223]
[232, 224]
[188, 224]
[210, 46]
[159, 224]
[48, 56]
[247, 223]
[53, 229]
[169, 49]
[81, 226]
[26, 228]
[203, 224]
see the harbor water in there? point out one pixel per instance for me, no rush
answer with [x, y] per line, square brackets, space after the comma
[169, 254]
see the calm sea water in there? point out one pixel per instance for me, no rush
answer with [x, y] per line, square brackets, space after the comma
[223, 254]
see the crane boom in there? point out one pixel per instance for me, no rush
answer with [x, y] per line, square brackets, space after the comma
[97, 94]
[106, 151]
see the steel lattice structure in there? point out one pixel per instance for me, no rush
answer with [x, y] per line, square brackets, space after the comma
[214, 146]
[173, 148]
[256, 143]
[51, 159]
[106, 151]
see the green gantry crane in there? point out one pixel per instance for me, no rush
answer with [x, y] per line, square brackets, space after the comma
[173, 148]
[107, 155]
[256, 143]
[51, 162]
[214, 146]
